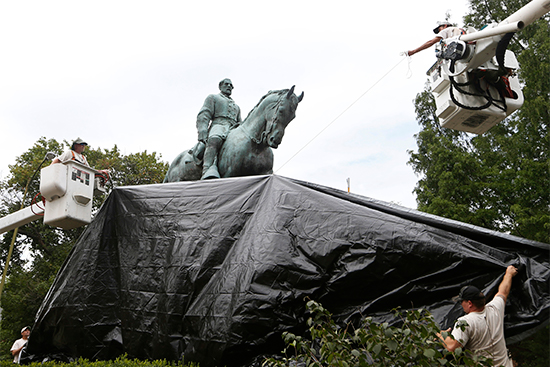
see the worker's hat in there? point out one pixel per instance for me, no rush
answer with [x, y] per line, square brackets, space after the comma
[79, 141]
[439, 24]
[469, 293]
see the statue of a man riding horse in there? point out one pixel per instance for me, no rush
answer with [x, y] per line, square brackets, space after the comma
[228, 147]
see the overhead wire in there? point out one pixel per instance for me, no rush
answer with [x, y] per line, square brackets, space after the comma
[344, 111]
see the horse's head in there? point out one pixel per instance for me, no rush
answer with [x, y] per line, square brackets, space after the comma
[279, 115]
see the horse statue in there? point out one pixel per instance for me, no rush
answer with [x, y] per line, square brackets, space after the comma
[247, 149]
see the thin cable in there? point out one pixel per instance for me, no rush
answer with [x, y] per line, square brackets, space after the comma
[337, 117]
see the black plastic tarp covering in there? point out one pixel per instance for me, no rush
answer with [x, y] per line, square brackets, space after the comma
[216, 270]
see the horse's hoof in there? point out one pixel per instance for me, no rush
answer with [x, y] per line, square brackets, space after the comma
[211, 172]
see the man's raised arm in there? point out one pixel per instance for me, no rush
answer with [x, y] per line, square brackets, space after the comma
[506, 284]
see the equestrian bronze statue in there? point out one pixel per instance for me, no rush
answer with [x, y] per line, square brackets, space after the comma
[247, 150]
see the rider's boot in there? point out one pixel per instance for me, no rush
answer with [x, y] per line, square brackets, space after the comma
[209, 167]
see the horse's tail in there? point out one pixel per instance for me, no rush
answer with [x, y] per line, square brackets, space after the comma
[174, 166]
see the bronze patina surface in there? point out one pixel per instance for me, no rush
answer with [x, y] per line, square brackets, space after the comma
[229, 147]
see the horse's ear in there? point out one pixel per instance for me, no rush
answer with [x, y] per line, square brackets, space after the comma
[301, 97]
[290, 92]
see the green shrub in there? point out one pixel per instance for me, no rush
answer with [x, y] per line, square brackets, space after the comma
[122, 361]
[533, 351]
[414, 343]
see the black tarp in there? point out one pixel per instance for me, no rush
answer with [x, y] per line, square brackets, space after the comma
[216, 270]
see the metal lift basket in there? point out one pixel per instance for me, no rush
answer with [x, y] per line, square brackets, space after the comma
[68, 189]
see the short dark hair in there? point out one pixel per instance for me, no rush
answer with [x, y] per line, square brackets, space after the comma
[479, 303]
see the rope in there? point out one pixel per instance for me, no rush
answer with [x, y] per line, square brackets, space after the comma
[409, 63]
[341, 113]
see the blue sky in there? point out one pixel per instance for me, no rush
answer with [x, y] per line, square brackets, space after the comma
[135, 74]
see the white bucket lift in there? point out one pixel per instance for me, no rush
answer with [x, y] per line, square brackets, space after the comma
[68, 189]
[468, 82]
[466, 103]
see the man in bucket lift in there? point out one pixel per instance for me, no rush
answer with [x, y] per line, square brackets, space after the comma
[442, 31]
[75, 154]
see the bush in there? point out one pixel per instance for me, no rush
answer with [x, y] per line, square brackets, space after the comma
[122, 361]
[533, 351]
[414, 343]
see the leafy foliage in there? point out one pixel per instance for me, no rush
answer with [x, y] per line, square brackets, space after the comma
[40, 250]
[414, 343]
[122, 361]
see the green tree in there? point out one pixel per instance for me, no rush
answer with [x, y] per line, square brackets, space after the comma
[454, 184]
[499, 180]
[39, 249]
